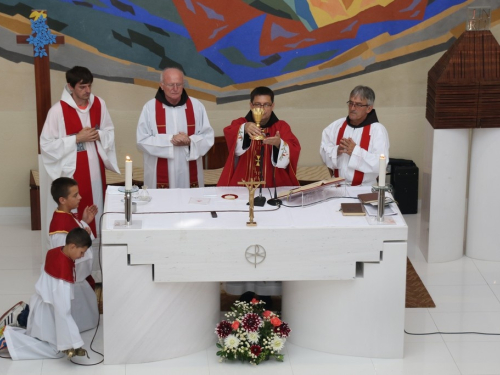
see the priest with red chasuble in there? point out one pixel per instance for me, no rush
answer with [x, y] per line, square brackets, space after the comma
[352, 146]
[173, 134]
[278, 152]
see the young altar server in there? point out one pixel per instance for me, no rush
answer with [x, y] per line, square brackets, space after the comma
[65, 193]
[51, 331]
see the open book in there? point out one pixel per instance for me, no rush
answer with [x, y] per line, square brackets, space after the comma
[310, 187]
[372, 198]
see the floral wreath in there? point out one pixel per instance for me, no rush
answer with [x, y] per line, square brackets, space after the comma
[251, 333]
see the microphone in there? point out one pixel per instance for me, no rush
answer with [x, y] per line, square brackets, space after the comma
[260, 200]
[275, 201]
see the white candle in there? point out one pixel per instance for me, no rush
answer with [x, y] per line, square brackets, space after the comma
[381, 173]
[128, 173]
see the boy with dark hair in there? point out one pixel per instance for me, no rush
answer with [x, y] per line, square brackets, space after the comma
[66, 194]
[51, 329]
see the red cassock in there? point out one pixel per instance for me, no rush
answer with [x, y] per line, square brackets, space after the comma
[244, 168]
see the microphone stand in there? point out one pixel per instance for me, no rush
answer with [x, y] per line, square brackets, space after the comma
[275, 201]
[260, 200]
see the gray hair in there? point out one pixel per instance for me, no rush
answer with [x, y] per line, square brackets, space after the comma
[364, 92]
[170, 67]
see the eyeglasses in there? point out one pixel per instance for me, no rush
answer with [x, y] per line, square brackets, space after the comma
[172, 85]
[356, 105]
[260, 105]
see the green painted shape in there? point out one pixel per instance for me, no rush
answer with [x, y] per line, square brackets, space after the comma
[234, 55]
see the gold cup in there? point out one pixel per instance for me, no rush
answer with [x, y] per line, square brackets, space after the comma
[257, 116]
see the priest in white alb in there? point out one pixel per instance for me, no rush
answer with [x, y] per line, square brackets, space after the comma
[174, 134]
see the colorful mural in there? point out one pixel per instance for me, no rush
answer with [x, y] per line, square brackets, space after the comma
[228, 46]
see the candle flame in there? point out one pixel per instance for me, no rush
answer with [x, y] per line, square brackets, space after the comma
[127, 158]
[382, 156]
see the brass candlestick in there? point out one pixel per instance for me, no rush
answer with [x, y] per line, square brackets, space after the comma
[257, 116]
[251, 186]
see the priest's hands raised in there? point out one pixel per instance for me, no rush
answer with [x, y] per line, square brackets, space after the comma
[346, 146]
[275, 141]
[87, 135]
[252, 129]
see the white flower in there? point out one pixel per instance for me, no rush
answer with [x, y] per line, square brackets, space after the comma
[231, 341]
[253, 337]
[277, 344]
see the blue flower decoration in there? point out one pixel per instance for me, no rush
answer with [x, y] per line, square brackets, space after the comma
[40, 36]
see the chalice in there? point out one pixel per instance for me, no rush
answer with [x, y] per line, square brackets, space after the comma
[257, 116]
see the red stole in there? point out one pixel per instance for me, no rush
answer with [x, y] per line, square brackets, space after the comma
[59, 266]
[162, 165]
[63, 222]
[365, 142]
[82, 172]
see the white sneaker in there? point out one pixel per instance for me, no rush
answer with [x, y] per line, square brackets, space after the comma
[10, 317]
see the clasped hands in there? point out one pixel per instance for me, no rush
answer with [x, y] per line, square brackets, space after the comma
[346, 146]
[181, 139]
[253, 130]
[87, 135]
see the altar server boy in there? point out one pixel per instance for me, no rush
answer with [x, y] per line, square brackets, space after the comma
[66, 194]
[51, 331]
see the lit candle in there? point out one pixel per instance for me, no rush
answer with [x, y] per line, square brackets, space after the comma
[128, 173]
[381, 173]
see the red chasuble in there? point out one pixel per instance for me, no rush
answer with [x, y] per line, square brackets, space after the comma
[82, 171]
[63, 222]
[162, 164]
[365, 142]
[59, 266]
[246, 168]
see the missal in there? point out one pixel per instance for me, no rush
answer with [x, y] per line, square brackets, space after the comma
[372, 198]
[311, 187]
[352, 209]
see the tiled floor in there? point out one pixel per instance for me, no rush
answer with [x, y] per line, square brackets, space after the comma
[466, 293]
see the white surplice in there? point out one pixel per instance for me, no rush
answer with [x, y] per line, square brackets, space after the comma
[51, 327]
[366, 161]
[84, 304]
[154, 145]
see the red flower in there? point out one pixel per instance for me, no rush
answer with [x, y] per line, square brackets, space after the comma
[223, 329]
[235, 325]
[254, 301]
[251, 322]
[283, 330]
[256, 350]
[275, 321]
[267, 314]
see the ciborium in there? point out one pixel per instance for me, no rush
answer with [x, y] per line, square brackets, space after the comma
[257, 116]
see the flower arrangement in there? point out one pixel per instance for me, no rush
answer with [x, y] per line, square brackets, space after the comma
[251, 333]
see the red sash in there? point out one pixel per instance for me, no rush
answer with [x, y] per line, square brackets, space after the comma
[365, 142]
[59, 266]
[162, 165]
[82, 171]
[63, 222]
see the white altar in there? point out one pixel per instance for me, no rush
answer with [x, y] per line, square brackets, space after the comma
[343, 279]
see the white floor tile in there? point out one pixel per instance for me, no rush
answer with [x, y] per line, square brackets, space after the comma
[459, 272]
[476, 357]
[420, 322]
[189, 365]
[489, 270]
[429, 358]
[486, 322]
[10, 367]
[306, 362]
[466, 298]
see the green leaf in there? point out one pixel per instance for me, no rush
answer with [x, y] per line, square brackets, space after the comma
[218, 345]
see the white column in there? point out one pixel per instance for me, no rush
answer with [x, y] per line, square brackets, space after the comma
[446, 155]
[483, 221]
